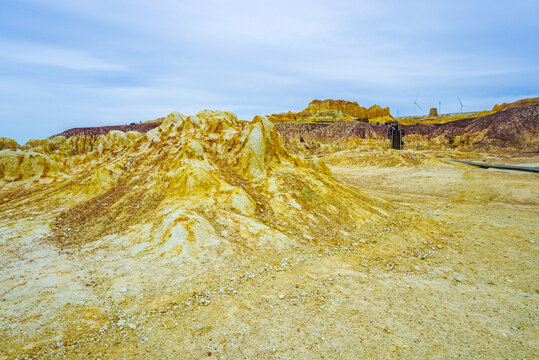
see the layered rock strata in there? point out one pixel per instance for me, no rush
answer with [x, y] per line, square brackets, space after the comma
[334, 110]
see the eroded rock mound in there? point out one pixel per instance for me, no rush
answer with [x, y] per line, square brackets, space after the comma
[334, 110]
[192, 183]
[7, 143]
[20, 165]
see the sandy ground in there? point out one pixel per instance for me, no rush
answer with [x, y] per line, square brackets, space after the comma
[452, 274]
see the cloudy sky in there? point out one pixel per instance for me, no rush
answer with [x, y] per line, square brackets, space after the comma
[66, 63]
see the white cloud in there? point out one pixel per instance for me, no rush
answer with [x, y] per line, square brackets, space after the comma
[40, 54]
[263, 56]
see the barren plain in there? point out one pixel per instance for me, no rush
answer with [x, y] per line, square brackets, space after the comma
[209, 237]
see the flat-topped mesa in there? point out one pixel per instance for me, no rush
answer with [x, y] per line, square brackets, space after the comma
[334, 110]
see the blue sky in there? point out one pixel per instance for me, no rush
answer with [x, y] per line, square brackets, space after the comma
[66, 63]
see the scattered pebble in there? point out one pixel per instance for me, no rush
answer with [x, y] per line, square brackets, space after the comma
[458, 278]
[532, 241]
[416, 268]
[281, 296]
[123, 290]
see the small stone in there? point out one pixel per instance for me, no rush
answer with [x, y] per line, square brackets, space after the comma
[281, 296]
[323, 338]
[121, 322]
[416, 268]
[532, 241]
[123, 290]
[132, 326]
[514, 328]
[458, 278]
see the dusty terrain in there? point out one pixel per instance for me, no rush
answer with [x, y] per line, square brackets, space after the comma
[206, 238]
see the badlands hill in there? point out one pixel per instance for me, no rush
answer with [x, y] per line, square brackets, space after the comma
[512, 125]
[176, 207]
[205, 237]
[103, 130]
[445, 118]
[206, 163]
[333, 110]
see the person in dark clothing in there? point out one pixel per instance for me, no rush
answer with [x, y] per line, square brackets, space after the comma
[396, 134]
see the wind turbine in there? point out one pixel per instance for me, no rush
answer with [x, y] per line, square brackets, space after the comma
[416, 104]
[461, 106]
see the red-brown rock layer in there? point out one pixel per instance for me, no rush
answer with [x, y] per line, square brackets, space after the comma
[516, 124]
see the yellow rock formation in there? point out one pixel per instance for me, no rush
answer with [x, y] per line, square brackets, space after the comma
[20, 165]
[7, 143]
[206, 238]
[333, 110]
[183, 180]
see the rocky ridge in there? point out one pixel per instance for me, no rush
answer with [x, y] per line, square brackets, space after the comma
[202, 167]
[333, 110]
[512, 125]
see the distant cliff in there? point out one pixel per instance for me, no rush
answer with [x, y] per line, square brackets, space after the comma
[333, 110]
